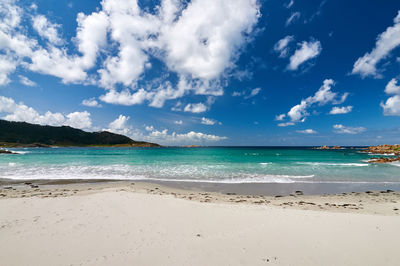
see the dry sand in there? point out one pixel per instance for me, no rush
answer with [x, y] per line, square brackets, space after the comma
[148, 224]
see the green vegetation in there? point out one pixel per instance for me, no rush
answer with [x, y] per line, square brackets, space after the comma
[21, 134]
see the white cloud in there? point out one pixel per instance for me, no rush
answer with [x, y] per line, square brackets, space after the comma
[254, 92]
[207, 35]
[46, 29]
[20, 112]
[91, 102]
[293, 18]
[299, 111]
[149, 128]
[323, 96]
[79, 120]
[197, 136]
[7, 66]
[178, 122]
[392, 87]
[307, 131]
[120, 125]
[195, 108]
[124, 97]
[250, 94]
[27, 82]
[281, 46]
[183, 138]
[237, 93]
[304, 52]
[392, 105]
[341, 110]
[290, 4]
[210, 122]
[385, 43]
[280, 117]
[199, 41]
[286, 124]
[340, 129]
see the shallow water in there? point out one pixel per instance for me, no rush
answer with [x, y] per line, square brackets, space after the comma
[214, 165]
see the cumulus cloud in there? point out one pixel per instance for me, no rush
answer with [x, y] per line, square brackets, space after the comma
[392, 105]
[392, 87]
[124, 97]
[293, 18]
[91, 102]
[7, 66]
[341, 110]
[195, 108]
[210, 122]
[183, 138]
[385, 43]
[281, 47]
[340, 129]
[323, 96]
[79, 120]
[307, 131]
[149, 128]
[198, 41]
[20, 112]
[178, 122]
[46, 29]
[280, 117]
[27, 82]
[120, 125]
[305, 51]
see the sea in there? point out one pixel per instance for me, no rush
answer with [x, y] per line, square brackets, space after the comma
[223, 165]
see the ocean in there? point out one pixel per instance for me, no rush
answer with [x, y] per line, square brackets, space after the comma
[230, 165]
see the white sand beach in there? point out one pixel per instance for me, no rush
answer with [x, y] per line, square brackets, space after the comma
[152, 225]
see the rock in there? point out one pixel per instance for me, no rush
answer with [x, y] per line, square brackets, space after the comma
[299, 192]
[384, 149]
[328, 148]
[384, 160]
[7, 152]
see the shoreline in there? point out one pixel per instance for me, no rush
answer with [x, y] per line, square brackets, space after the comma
[265, 189]
[385, 201]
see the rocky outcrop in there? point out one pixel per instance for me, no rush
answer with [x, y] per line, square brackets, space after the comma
[328, 148]
[384, 149]
[383, 160]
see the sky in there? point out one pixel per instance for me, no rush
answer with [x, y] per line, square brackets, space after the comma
[206, 72]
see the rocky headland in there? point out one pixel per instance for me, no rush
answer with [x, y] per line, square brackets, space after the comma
[384, 150]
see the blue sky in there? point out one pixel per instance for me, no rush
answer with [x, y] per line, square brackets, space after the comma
[207, 72]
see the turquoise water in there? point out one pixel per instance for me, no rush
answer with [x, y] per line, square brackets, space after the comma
[220, 165]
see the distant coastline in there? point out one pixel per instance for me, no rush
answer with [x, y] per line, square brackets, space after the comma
[26, 135]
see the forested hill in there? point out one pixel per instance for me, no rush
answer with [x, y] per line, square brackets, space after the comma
[26, 134]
